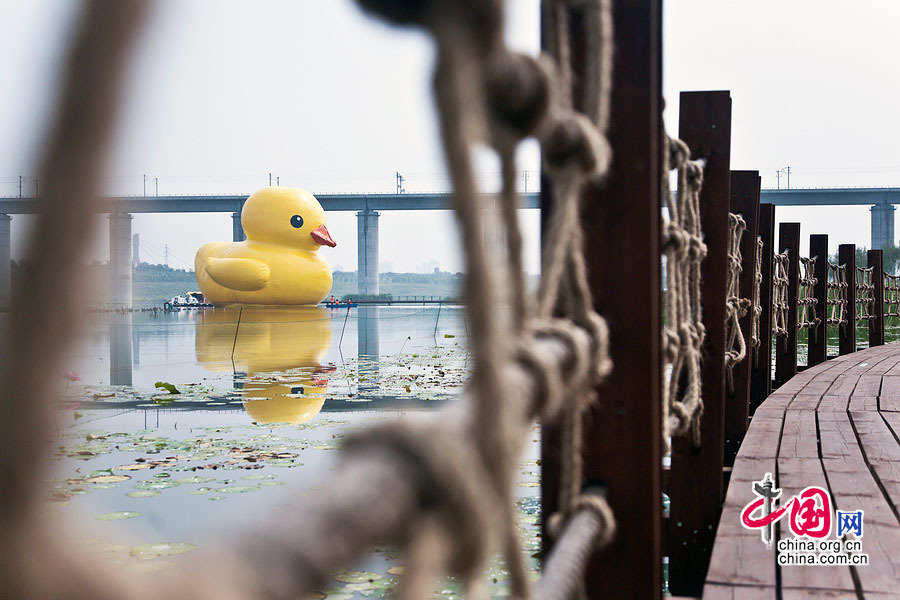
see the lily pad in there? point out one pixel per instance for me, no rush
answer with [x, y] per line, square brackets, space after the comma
[356, 576]
[108, 478]
[155, 550]
[200, 491]
[118, 516]
[259, 477]
[195, 479]
[142, 494]
[238, 489]
[165, 385]
[270, 483]
[133, 467]
[155, 484]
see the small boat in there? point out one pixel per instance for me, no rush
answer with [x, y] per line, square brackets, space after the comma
[187, 300]
[333, 302]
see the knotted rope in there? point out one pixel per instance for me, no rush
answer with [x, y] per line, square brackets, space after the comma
[485, 93]
[779, 294]
[807, 318]
[865, 294]
[891, 295]
[735, 306]
[684, 332]
[837, 295]
[757, 304]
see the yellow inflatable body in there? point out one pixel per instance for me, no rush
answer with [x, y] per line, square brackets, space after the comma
[269, 340]
[278, 263]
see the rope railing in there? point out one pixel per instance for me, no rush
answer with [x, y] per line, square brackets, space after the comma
[891, 295]
[780, 285]
[807, 318]
[836, 291]
[735, 306]
[865, 294]
[757, 306]
[684, 333]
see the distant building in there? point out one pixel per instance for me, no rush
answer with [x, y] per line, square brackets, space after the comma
[386, 267]
[431, 266]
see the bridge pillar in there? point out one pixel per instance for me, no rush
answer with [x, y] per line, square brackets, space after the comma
[5, 269]
[367, 261]
[236, 227]
[882, 226]
[120, 260]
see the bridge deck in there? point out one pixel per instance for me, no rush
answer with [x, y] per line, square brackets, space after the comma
[835, 425]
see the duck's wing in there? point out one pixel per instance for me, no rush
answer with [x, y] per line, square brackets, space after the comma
[241, 274]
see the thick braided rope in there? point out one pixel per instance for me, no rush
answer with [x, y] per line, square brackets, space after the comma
[891, 295]
[807, 317]
[575, 151]
[780, 284]
[865, 294]
[837, 295]
[757, 305]
[684, 332]
[484, 92]
[735, 306]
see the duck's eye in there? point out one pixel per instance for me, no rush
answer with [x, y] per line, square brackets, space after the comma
[297, 221]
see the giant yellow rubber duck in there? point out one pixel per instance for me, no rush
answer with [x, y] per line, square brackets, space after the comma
[278, 263]
[267, 342]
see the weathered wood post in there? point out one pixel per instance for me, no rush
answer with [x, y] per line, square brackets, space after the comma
[786, 345]
[761, 374]
[622, 434]
[745, 189]
[818, 334]
[696, 478]
[847, 333]
[876, 325]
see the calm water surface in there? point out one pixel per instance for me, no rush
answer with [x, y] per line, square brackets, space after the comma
[259, 403]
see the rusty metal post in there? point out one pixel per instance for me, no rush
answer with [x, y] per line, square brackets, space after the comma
[696, 476]
[876, 325]
[817, 345]
[622, 436]
[744, 201]
[847, 333]
[761, 374]
[786, 345]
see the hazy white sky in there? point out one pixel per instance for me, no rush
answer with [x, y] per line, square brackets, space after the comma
[224, 92]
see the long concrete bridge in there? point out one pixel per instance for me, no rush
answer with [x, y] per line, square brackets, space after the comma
[368, 207]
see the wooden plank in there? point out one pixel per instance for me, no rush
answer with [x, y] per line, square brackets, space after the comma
[876, 325]
[847, 333]
[761, 373]
[818, 335]
[696, 477]
[786, 345]
[799, 466]
[715, 591]
[622, 445]
[745, 202]
[852, 487]
[880, 451]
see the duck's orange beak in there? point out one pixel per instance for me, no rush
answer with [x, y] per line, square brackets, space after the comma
[321, 236]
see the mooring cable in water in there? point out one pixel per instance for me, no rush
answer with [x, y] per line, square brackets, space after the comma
[234, 345]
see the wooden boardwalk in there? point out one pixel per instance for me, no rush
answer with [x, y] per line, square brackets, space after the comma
[835, 425]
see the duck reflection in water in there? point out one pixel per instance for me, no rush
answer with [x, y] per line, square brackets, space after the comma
[258, 344]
